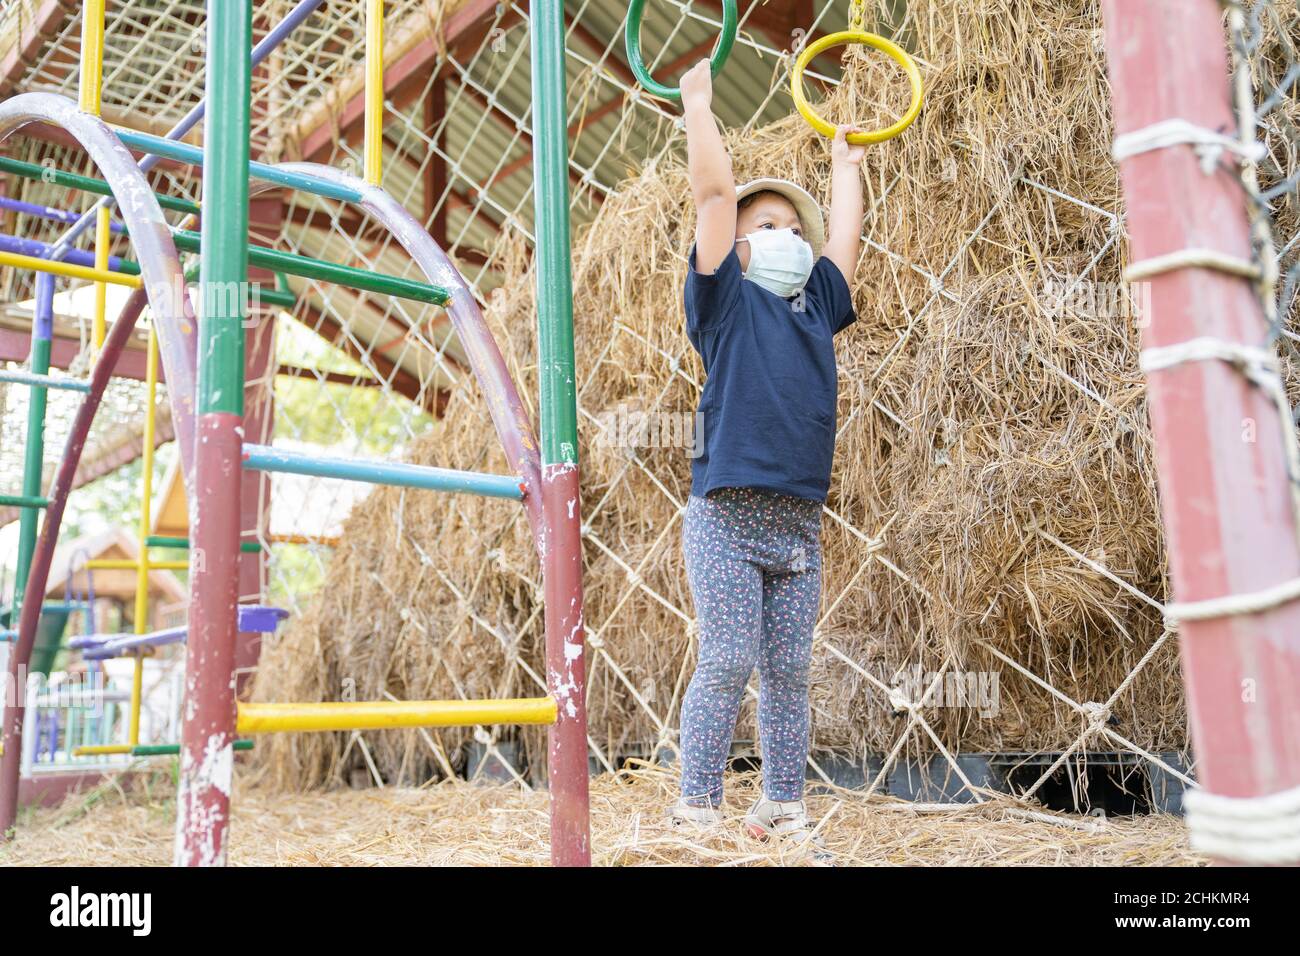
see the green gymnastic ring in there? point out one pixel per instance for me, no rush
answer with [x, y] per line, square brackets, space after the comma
[632, 39]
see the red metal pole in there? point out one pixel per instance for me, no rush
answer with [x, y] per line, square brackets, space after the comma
[1225, 495]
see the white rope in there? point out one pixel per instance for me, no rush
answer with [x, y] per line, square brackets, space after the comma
[1192, 258]
[1256, 363]
[1208, 144]
[1261, 830]
[1232, 605]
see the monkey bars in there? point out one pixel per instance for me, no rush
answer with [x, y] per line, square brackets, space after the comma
[208, 405]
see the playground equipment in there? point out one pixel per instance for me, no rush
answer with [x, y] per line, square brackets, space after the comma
[928, 277]
[857, 34]
[632, 41]
[207, 403]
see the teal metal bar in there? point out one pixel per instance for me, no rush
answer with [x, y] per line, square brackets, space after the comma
[265, 458]
[185, 153]
[86, 184]
[310, 268]
[45, 381]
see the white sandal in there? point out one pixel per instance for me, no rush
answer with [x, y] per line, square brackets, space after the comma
[700, 817]
[785, 819]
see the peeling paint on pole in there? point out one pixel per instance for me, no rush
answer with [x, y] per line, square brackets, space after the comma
[560, 545]
[208, 732]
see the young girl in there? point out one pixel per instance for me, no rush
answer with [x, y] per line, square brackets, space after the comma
[764, 295]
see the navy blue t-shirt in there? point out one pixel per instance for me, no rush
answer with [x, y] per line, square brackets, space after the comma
[768, 407]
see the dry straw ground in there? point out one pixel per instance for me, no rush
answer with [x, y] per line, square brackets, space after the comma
[458, 823]
[982, 425]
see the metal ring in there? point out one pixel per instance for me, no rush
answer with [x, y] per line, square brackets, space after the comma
[632, 40]
[897, 53]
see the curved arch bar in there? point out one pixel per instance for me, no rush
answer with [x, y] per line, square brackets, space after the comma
[508, 414]
[43, 556]
[160, 268]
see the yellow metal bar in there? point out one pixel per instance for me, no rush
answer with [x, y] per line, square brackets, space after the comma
[127, 564]
[385, 714]
[374, 152]
[146, 486]
[99, 750]
[137, 688]
[68, 270]
[90, 87]
[103, 237]
[328, 540]
[92, 55]
[142, 530]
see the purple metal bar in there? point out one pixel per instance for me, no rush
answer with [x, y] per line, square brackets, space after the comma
[48, 212]
[43, 326]
[253, 618]
[43, 250]
[112, 645]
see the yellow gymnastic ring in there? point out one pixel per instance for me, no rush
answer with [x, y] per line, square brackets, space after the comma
[897, 53]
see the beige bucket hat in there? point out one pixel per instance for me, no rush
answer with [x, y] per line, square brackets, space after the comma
[805, 207]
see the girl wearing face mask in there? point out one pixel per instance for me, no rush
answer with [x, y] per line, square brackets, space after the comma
[764, 297]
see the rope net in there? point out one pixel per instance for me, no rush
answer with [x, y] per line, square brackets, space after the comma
[994, 576]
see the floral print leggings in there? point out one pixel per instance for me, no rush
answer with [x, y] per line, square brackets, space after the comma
[754, 563]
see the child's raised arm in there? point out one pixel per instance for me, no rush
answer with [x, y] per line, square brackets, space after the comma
[712, 184]
[845, 239]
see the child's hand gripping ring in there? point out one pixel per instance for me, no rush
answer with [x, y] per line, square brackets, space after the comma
[870, 39]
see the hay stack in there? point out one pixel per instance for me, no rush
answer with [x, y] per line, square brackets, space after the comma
[971, 433]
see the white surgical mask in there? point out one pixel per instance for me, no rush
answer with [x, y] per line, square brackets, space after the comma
[779, 261]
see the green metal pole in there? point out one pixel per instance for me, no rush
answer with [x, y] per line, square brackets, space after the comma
[559, 433]
[34, 453]
[561, 515]
[208, 731]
